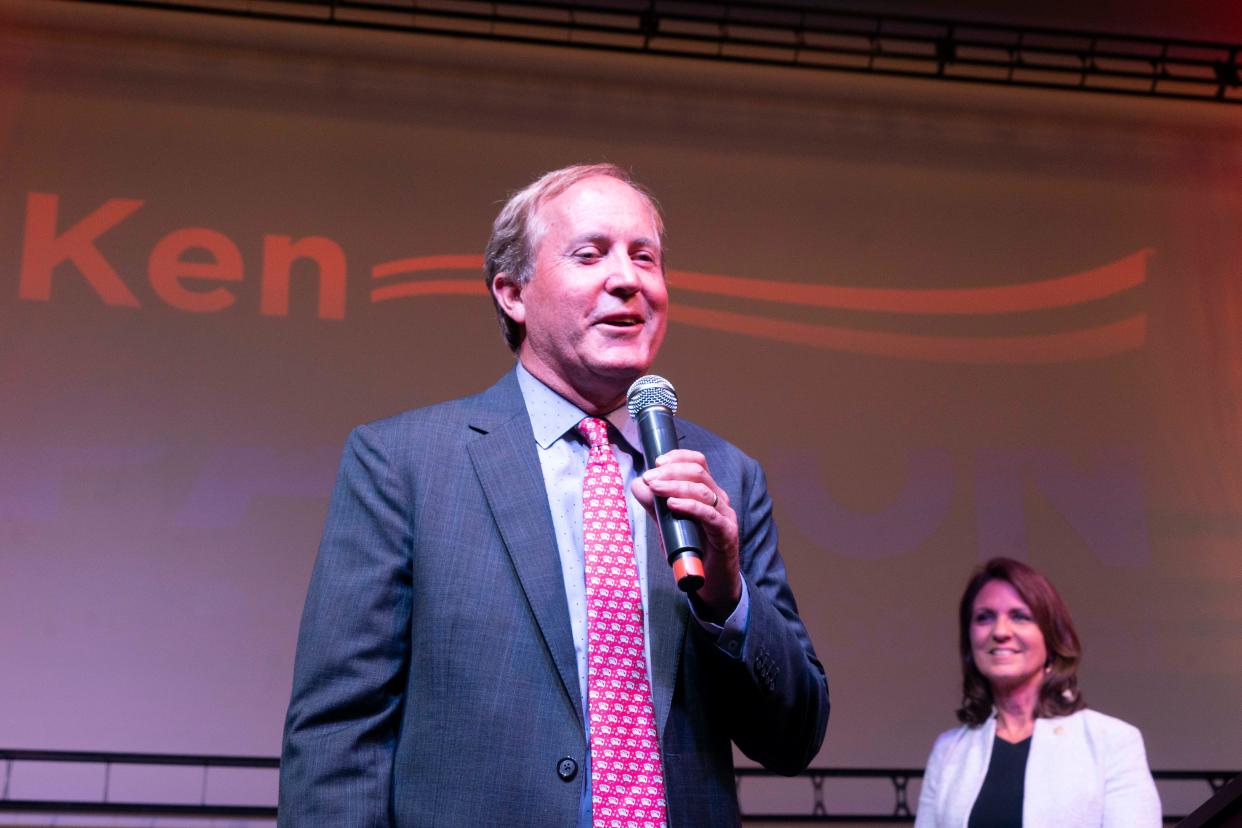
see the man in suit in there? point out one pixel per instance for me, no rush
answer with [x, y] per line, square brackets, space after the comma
[445, 673]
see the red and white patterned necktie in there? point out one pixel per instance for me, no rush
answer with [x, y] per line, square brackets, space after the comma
[627, 783]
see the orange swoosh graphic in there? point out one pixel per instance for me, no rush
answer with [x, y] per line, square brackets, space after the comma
[430, 287]
[1090, 343]
[1060, 292]
[418, 264]
[1063, 291]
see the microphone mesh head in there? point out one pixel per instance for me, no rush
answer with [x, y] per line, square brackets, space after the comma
[648, 391]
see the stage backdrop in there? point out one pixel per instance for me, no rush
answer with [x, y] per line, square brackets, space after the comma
[952, 322]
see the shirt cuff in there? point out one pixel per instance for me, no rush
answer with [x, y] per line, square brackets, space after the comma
[730, 637]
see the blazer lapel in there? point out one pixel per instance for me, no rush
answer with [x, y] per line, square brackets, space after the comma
[667, 612]
[666, 606]
[506, 461]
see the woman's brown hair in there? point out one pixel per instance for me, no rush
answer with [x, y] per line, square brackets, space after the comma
[1058, 695]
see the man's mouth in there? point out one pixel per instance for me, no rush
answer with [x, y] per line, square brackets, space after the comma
[620, 321]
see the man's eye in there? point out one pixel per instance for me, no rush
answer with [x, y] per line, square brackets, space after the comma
[586, 254]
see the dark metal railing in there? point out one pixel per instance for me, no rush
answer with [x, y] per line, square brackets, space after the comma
[103, 803]
[792, 35]
[902, 807]
[106, 805]
[899, 778]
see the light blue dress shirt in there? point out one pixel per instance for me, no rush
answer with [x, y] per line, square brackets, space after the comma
[563, 454]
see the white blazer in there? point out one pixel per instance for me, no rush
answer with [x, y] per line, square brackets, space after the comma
[1085, 770]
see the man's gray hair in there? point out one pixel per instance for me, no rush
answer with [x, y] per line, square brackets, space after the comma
[517, 230]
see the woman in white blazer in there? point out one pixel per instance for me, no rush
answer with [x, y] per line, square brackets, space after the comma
[1029, 754]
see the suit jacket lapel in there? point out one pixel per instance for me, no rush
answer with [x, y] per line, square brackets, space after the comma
[506, 461]
[667, 611]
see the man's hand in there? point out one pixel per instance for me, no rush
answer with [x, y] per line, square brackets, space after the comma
[682, 476]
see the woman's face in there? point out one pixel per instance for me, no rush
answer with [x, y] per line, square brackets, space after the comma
[1007, 644]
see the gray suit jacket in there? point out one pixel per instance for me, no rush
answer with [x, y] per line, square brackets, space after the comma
[435, 682]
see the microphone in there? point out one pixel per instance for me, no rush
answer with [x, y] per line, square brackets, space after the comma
[652, 403]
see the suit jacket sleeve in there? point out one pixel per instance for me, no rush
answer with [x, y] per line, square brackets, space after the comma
[351, 664]
[780, 689]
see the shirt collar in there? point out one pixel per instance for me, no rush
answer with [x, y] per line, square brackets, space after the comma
[551, 415]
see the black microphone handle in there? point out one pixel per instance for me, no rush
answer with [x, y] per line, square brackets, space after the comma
[681, 537]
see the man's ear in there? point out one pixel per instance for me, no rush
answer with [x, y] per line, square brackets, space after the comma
[508, 295]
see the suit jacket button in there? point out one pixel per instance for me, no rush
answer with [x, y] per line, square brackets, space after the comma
[567, 769]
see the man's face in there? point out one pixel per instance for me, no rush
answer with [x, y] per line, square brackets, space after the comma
[596, 308]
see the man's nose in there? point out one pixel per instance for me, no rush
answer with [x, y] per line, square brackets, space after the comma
[622, 274]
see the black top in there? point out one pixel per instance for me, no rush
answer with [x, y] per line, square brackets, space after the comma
[999, 804]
